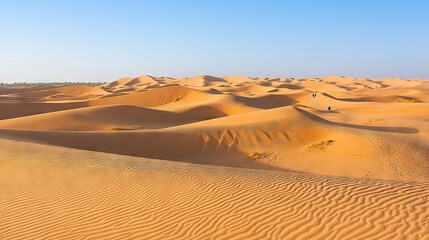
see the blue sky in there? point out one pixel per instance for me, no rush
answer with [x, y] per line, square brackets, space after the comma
[105, 40]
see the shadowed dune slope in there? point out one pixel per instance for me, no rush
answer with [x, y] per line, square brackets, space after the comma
[290, 138]
[201, 81]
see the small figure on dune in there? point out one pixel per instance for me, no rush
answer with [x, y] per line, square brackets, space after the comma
[329, 108]
[314, 95]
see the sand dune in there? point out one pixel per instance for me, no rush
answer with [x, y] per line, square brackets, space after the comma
[155, 97]
[102, 196]
[135, 84]
[57, 93]
[101, 118]
[201, 81]
[9, 91]
[288, 138]
[15, 110]
[216, 157]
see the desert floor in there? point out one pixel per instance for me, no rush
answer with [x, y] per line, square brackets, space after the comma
[216, 158]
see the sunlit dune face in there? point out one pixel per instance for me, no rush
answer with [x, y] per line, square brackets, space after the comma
[223, 157]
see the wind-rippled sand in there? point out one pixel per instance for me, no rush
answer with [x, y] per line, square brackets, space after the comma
[64, 194]
[216, 158]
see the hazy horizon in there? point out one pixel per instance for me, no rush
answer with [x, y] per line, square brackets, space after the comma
[192, 76]
[102, 41]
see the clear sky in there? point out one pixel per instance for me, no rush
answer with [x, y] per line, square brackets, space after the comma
[105, 40]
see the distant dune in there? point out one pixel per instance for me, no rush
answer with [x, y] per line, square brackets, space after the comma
[216, 157]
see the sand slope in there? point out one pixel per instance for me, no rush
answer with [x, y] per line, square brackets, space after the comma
[216, 157]
[155, 97]
[84, 195]
[99, 118]
[285, 138]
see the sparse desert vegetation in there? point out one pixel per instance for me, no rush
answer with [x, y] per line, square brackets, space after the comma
[408, 100]
[320, 145]
[257, 155]
[48, 84]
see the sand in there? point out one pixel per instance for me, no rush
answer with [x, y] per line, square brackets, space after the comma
[216, 158]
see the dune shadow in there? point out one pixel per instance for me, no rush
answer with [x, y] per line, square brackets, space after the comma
[290, 86]
[382, 85]
[267, 102]
[214, 79]
[406, 130]
[346, 99]
[113, 143]
[327, 111]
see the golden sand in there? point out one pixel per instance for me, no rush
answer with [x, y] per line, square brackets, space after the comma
[216, 158]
